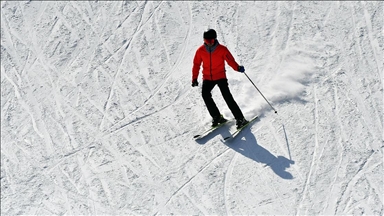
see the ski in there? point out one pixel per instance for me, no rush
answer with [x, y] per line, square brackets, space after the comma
[235, 133]
[205, 133]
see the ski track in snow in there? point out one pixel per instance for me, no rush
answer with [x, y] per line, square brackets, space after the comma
[97, 112]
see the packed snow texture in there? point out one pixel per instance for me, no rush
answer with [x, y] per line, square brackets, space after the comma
[98, 112]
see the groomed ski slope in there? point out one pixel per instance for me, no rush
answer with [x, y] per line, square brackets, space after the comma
[98, 113]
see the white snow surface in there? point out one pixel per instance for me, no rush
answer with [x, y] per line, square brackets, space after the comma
[98, 113]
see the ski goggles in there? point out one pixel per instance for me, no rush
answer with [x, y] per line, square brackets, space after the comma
[209, 41]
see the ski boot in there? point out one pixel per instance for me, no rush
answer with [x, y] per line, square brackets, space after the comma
[218, 120]
[241, 122]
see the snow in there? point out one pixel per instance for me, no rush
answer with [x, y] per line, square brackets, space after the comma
[98, 112]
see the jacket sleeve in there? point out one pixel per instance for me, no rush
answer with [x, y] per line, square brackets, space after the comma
[230, 60]
[196, 65]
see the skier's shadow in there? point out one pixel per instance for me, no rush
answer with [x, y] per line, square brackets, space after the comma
[251, 149]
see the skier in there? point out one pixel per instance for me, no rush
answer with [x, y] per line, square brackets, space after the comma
[212, 55]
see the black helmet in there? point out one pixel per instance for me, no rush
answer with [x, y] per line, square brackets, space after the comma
[210, 34]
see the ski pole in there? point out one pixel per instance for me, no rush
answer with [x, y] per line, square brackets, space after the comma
[260, 93]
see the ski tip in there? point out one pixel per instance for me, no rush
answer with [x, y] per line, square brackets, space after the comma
[196, 136]
[226, 138]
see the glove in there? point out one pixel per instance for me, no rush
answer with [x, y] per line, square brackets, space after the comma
[195, 83]
[241, 69]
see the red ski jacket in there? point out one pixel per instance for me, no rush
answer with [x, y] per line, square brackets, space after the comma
[213, 62]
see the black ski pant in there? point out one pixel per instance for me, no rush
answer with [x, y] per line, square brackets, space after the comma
[208, 85]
